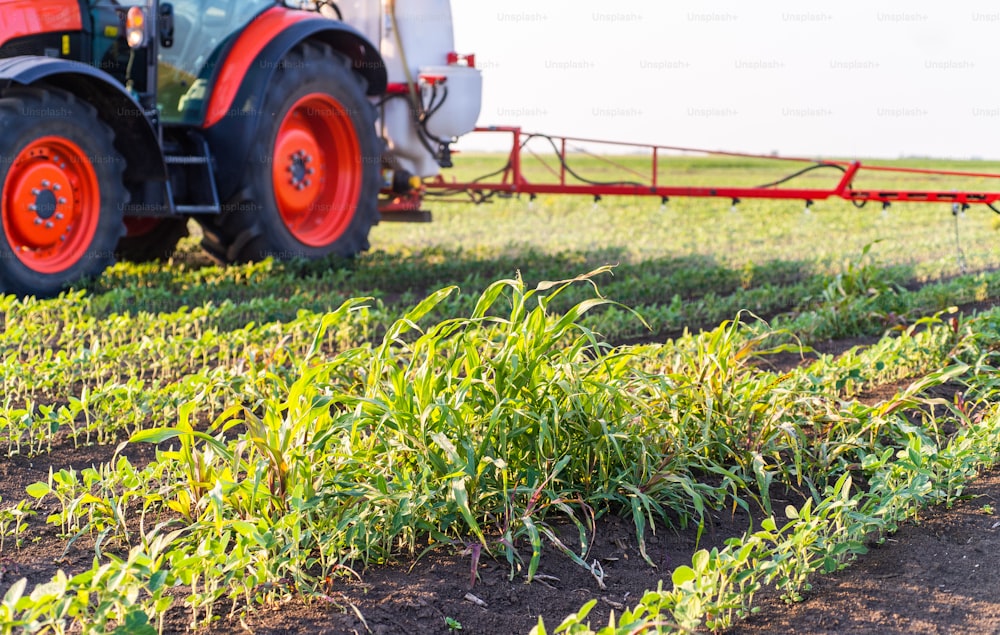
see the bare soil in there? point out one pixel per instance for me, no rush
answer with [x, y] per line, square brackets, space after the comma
[940, 575]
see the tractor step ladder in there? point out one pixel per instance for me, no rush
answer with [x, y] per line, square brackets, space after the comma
[201, 179]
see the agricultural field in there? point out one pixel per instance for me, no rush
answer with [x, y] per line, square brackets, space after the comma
[547, 416]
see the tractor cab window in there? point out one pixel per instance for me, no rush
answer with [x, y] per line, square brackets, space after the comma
[201, 29]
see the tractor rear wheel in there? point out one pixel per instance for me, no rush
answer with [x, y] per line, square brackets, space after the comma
[311, 186]
[61, 192]
[148, 239]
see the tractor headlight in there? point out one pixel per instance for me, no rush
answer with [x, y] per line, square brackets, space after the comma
[135, 27]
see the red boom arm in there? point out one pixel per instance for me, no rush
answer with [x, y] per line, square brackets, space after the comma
[513, 181]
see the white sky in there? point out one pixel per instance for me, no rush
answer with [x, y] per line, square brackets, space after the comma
[839, 78]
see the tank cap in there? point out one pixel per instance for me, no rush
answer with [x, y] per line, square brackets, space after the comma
[460, 59]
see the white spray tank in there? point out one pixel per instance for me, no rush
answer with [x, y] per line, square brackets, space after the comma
[417, 36]
[365, 16]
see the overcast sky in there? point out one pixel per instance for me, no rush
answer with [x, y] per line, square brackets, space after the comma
[846, 78]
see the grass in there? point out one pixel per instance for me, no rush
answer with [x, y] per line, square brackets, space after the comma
[327, 416]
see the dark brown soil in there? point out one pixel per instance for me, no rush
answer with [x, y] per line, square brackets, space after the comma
[941, 575]
[395, 600]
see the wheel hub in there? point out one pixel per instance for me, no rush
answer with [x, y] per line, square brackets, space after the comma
[300, 155]
[45, 204]
[300, 170]
[42, 214]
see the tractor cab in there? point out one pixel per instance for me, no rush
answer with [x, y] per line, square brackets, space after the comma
[165, 52]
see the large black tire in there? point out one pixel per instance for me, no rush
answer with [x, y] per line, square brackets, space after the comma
[152, 239]
[61, 193]
[311, 185]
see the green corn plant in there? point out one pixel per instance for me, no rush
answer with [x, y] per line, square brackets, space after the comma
[200, 465]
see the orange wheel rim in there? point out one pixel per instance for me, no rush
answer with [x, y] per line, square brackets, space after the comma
[50, 205]
[317, 170]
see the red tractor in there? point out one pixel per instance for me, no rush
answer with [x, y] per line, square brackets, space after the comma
[276, 127]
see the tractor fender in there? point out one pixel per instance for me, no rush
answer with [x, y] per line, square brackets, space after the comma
[135, 137]
[234, 109]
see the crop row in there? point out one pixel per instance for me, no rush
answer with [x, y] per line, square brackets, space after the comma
[280, 467]
[72, 367]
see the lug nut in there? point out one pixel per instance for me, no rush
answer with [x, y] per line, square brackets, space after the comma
[45, 183]
[35, 191]
[59, 216]
[62, 200]
[49, 225]
[38, 221]
[56, 187]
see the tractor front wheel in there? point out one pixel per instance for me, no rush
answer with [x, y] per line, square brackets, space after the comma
[313, 177]
[61, 192]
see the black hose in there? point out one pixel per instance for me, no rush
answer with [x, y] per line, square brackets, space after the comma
[485, 197]
[432, 107]
[793, 175]
[565, 165]
[817, 166]
[507, 166]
